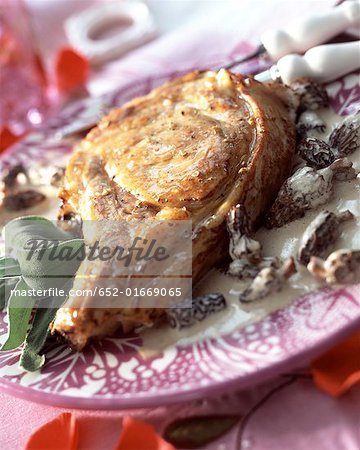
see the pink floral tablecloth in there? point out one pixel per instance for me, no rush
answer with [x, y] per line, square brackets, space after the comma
[287, 413]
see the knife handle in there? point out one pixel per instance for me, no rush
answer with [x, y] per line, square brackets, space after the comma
[301, 35]
[322, 63]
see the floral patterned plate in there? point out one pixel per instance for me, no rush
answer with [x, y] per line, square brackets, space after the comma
[112, 373]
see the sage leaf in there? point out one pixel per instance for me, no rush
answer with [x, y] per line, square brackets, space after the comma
[9, 276]
[18, 316]
[22, 229]
[49, 265]
[6, 286]
[9, 267]
[44, 272]
[197, 431]
[30, 359]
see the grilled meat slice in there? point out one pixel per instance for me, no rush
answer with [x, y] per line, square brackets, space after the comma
[191, 149]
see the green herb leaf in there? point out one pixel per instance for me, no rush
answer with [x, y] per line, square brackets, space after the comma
[22, 229]
[197, 431]
[39, 268]
[9, 267]
[40, 271]
[45, 272]
[30, 359]
[18, 316]
[9, 276]
[6, 286]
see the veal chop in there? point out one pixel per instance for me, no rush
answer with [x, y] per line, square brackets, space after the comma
[191, 149]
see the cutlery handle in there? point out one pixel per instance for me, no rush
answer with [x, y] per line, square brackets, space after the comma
[322, 63]
[301, 35]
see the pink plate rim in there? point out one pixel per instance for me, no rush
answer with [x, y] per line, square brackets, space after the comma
[200, 392]
[238, 380]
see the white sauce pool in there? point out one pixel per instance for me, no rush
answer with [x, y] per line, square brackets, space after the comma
[282, 242]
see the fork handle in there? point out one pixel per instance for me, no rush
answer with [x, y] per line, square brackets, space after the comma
[322, 63]
[301, 35]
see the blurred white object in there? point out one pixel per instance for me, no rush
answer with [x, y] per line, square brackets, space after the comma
[81, 29]
[322, 63]
[301, 35]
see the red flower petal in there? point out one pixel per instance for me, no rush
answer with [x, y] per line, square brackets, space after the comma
[60, 433]
[71, 70]
[137, 435]
[338, 369]
[7, 138]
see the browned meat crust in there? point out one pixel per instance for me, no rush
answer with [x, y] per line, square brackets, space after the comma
[191, 149]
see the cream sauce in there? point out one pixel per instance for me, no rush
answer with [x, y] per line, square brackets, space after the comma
[282, 242]
[48, 208]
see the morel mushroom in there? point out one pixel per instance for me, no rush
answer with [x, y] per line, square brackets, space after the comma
[241, 245]
[245, 251]
[345, 138]
[202, 307]
[242, 269]
[312, 95]
[308, 121]
[343, 170]
[317, 153]
[306, 189]
[10, 179]
[322, 232]
[23, 200]
[267, 281]
[341, 267]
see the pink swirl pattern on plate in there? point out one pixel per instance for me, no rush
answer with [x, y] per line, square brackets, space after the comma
[113, 374]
